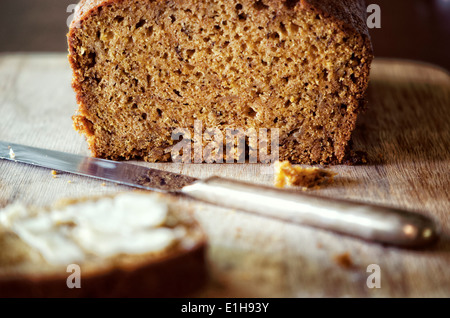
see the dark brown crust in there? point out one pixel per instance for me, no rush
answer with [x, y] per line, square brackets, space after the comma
[176, 275]
[348, 14]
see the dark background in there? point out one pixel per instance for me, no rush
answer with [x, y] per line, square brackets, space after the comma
[410, 29]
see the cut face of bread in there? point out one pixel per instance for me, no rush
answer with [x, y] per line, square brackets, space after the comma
[144, 68]
[132, 244]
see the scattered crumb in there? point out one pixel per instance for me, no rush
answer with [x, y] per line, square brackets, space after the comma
[344, 260]
[311, 177]
[354, 158]
[69, 181]
[54, 172]
[103, 184]
[319, 245]
[12, 155]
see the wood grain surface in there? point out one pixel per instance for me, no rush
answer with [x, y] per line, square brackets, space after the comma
[405, 132]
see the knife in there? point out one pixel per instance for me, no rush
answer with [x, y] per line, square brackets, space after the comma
[369, 222]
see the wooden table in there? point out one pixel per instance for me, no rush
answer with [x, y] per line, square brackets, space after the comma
[405, 131]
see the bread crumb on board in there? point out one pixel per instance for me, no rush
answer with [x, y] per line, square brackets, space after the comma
[287, 175]
[344, 260]
[355, 158]
[54, 174]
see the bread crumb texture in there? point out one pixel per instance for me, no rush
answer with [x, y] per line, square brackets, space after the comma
[344, 260]
[287, 175]
[142, 69]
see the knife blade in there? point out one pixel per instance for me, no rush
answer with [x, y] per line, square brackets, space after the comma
[106, 170]
[374, 223]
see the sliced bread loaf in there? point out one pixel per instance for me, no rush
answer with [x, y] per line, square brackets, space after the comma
[142, 69]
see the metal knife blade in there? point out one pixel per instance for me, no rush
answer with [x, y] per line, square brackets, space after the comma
[369, 222]
[119, 172]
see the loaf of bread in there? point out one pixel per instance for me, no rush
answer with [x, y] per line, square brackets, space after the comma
[143, 68]
[127, 245]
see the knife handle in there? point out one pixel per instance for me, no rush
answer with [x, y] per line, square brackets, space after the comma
[370, 222]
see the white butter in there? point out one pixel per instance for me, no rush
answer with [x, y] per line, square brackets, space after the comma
[126, 224]
[141, 242]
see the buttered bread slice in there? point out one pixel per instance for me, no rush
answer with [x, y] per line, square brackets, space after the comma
[131, 244]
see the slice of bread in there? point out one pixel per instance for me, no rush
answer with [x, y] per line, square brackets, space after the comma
[142, 69]
[136, 263]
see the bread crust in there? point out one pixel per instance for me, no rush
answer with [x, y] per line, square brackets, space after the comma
[174, 275]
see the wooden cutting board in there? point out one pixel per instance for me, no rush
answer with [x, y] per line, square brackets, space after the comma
[405, 132]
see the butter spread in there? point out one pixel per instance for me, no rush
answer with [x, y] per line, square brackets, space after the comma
[130, 223]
